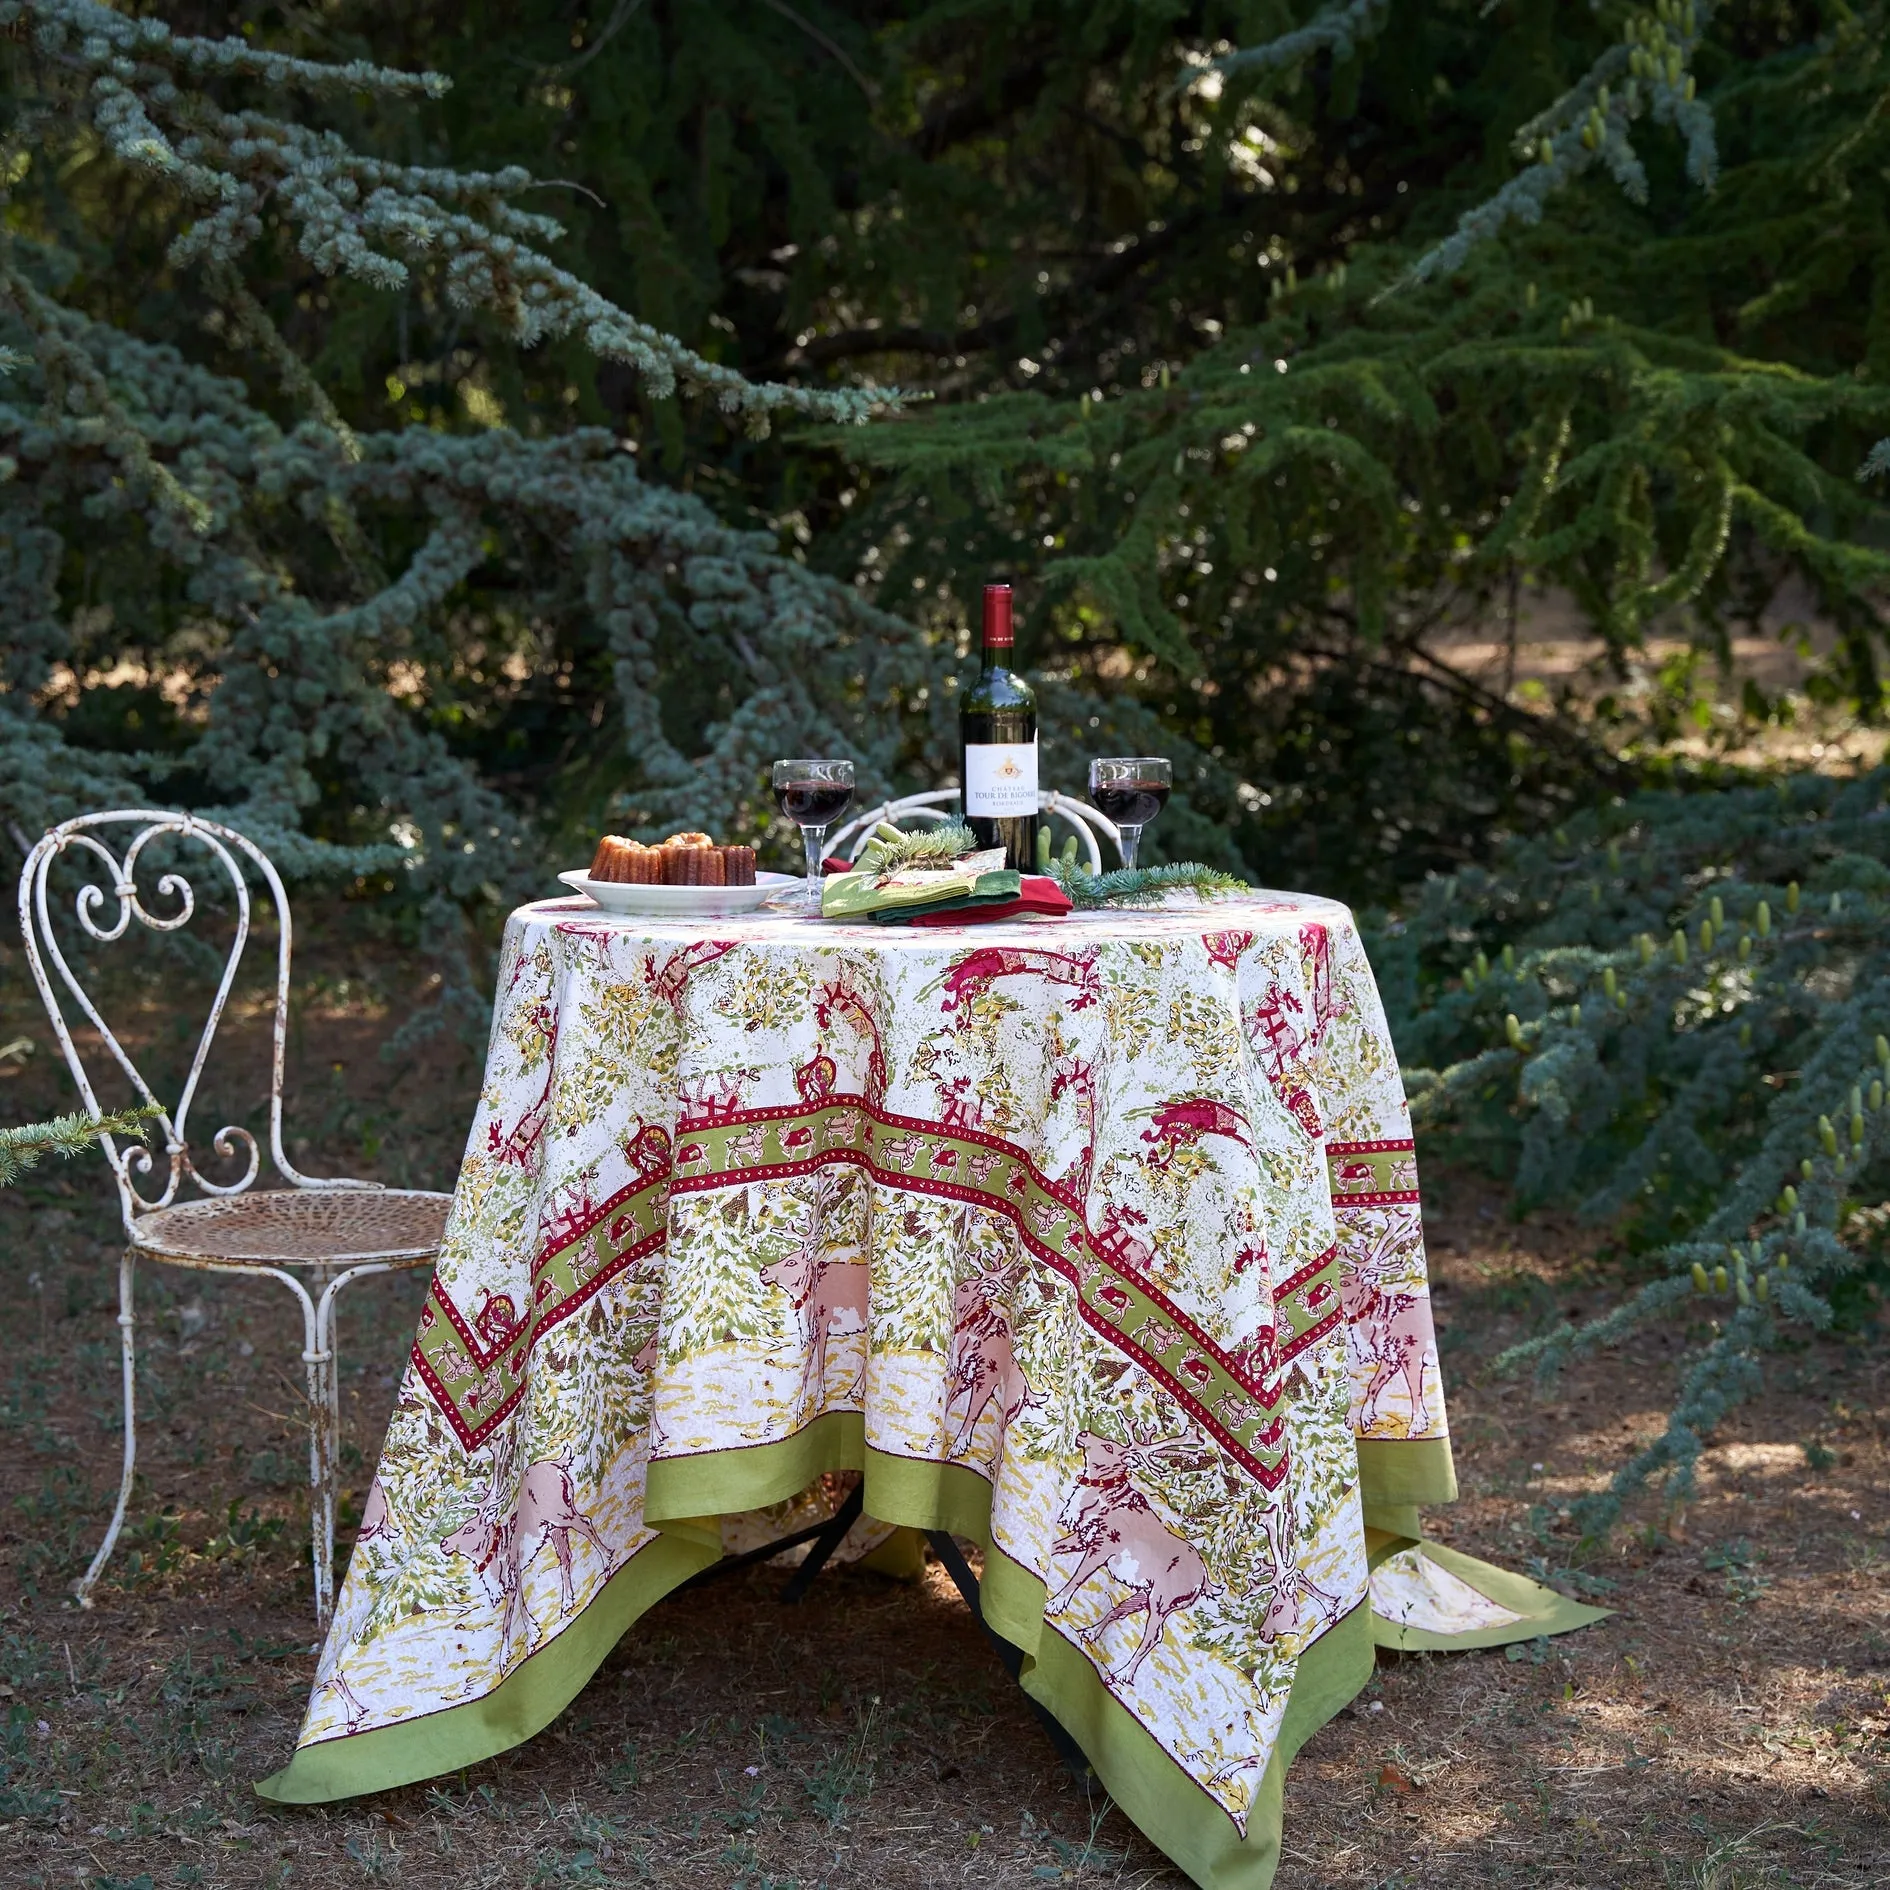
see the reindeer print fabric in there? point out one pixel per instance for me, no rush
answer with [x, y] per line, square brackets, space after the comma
[1099, 1238]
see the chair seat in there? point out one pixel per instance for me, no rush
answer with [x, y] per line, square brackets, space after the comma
[297, 1226]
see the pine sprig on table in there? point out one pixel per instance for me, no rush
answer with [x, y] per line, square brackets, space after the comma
[22, 1148]
[1140, 885]
[890, 848]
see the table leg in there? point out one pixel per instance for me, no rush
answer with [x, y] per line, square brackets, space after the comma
[731, 1564]
[825, 1543]
[948, 1552]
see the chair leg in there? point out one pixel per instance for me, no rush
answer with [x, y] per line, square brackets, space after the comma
[325, 1414]
[318, 1360]
[314, 1360]
[128, 1355]
[324, 1425]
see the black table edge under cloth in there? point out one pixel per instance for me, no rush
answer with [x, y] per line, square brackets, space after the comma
[825, 1537]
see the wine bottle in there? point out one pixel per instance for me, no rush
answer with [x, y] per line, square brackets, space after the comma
[997, 744]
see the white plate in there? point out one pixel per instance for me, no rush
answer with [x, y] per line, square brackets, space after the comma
[677, 902]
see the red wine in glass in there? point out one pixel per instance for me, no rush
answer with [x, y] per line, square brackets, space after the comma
[812, 794]
[813, 803]
[1130, 790]
[1131, 803]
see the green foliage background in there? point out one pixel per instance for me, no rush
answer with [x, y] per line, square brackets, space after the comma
[1096, 271]
[1670, 1015]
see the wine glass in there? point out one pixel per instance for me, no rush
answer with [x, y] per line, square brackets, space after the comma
[1130, 790]
[812, 794]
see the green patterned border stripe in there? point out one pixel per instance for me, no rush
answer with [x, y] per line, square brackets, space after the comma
[1372, 1174]
[477, 1382]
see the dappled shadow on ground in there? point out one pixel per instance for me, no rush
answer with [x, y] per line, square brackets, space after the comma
[1727, 1728]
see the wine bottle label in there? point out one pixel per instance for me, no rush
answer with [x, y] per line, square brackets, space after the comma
[1000, 779]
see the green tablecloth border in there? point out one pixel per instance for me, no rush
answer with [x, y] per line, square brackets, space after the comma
[1398, 1470]
[725, 1482]
[686, 1495]
[524, 1703]
[1160, 1798]
[1543, 1610]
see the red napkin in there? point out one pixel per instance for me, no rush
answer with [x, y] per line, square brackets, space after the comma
[1039, 894]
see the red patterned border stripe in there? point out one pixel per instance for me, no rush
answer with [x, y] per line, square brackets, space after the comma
[1372, 1174]
[1234, 1397]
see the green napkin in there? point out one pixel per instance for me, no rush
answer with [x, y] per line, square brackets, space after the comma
[991, 889]
[886, 901]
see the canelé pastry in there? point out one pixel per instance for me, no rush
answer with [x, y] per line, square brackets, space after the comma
[627, 862]
[684, 859]
[608, 862]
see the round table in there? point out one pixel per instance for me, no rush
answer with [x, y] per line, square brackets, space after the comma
[1094, 1240]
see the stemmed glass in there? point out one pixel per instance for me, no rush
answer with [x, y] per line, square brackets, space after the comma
[1130, 790]
[812, 794]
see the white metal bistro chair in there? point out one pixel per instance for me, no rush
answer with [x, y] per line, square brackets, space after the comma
[940, 804]
[333, 1231]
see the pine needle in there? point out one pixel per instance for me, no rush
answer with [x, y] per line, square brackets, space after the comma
[1141, 885]
[889, 849]
[23, 1147]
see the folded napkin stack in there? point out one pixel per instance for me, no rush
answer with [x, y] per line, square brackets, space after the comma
[1037, 895]
[974, 888]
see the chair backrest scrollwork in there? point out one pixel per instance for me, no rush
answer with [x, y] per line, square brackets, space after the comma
[937, 804]
[105, 914]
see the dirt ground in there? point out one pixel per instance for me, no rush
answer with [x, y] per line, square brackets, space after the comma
[1727, 1728]
[1553, 653]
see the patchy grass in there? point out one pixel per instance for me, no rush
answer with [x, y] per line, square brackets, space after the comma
[1727, 1730]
